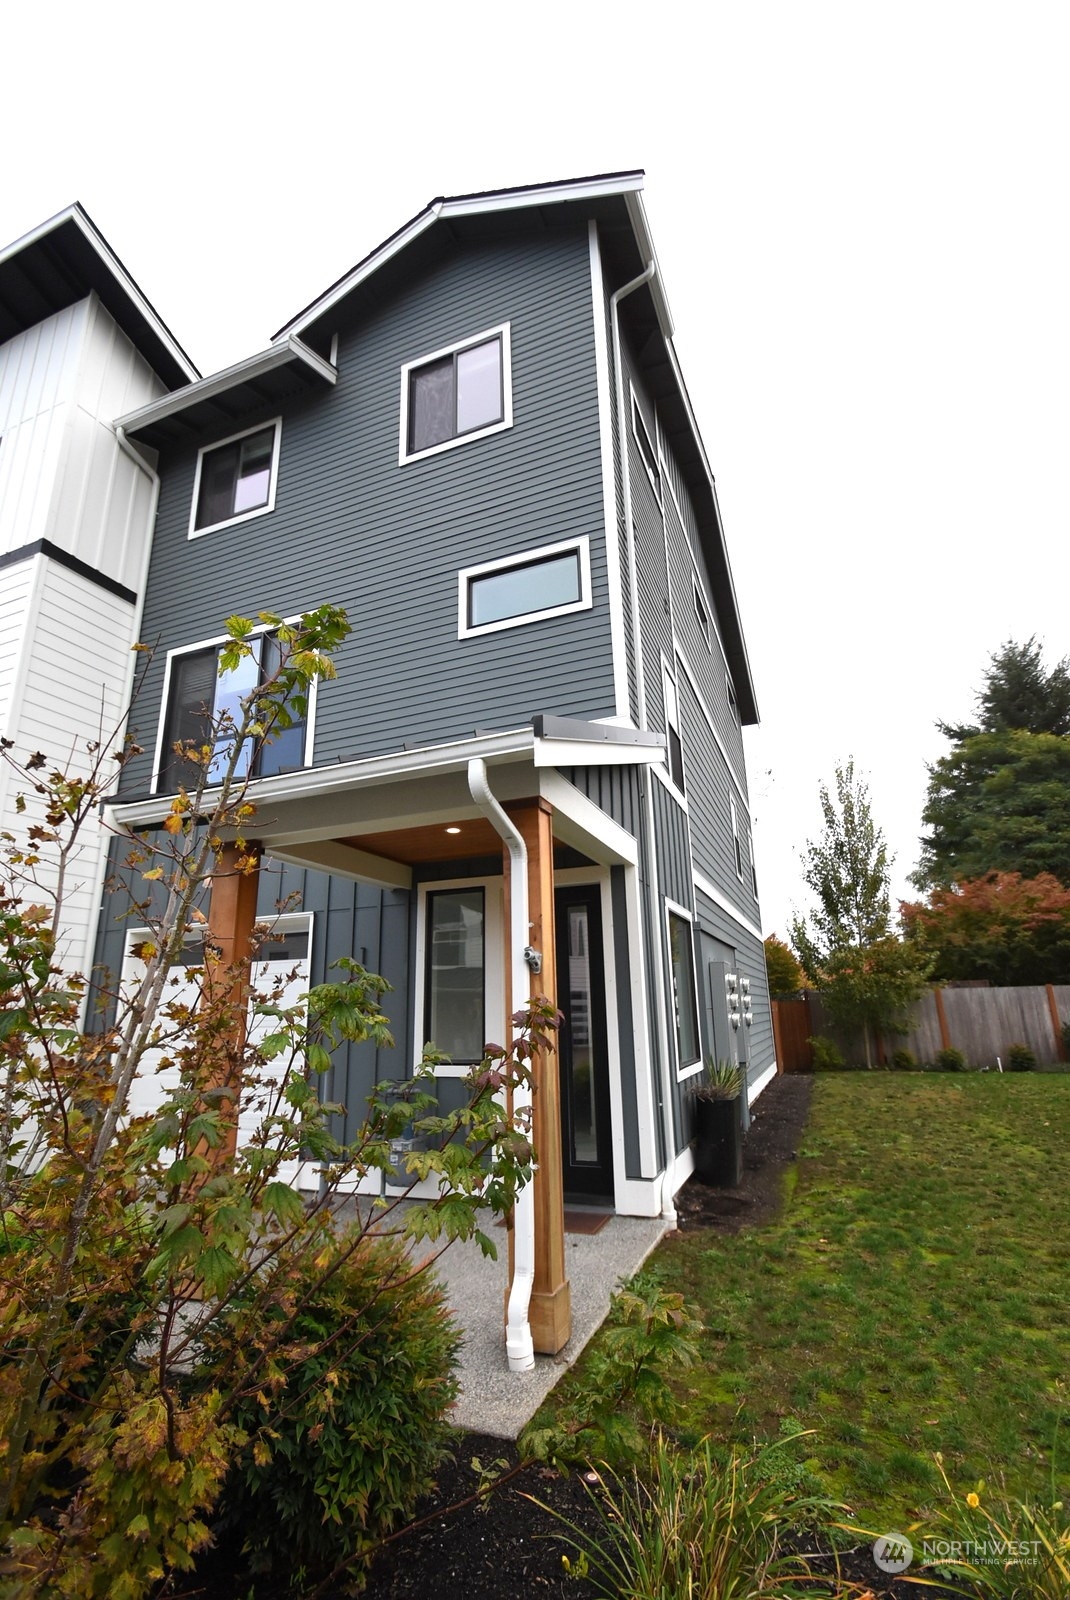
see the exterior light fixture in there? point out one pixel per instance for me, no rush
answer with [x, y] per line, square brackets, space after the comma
[453, 830]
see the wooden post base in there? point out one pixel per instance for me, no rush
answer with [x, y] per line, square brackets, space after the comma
[550, 1316]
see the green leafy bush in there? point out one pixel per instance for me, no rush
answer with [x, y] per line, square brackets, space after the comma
[950, 1060]
[353, 1433]
[904, 1061]
[828, 1057]
[691, 1525]
[1021, 1059]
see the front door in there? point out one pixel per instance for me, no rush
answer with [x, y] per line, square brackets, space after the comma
[583, 1055]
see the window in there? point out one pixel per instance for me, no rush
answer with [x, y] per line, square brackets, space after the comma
[235, 479]
[685, 1003]
[702, 616]
[672, 730]
[737, 842]
[730, 696]
[456, 394]
[455, 981]
[548, 582]
[646, 449]
[197, 696]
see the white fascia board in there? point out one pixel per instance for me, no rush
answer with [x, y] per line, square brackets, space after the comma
[276, 355]
[628, 184]
[593, 830]
[645, 242]
[711, 891]
[594, 753]
[311, 782]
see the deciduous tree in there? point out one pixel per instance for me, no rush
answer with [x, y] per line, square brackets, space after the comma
[1003, 927]
[783, 970]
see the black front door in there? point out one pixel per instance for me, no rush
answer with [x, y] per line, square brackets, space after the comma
[583, 1055]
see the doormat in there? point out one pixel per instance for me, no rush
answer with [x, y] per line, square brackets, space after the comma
[577, 1221]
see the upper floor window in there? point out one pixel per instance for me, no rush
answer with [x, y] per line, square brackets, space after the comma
[548, 582]
[646, 448]
[457, 394]
[672, 730]
[202, 706]
[737, 842]
[730, 695]
[702, 616]
[235, 479]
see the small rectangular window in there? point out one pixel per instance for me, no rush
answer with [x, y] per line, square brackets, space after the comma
[672, 731]
[235, 479]
[646, 448]
[549, 582]
[702, 616]
[203, 706]
[456, 977]
[685, 1005]
[456, 394]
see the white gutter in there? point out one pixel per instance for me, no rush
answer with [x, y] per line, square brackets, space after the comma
[247, 370]
[668, 1210]
[518, 1342]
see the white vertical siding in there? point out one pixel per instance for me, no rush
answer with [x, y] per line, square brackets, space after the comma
[38, 373]
[15, 586]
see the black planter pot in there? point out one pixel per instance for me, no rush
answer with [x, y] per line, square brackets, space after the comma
[719, 1142]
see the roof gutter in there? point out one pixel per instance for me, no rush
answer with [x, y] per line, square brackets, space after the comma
[519, 1346]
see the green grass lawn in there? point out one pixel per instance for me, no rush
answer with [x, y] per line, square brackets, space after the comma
[912, 1297]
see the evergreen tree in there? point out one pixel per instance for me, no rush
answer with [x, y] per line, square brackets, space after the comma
[1019, 693]
[866, 976]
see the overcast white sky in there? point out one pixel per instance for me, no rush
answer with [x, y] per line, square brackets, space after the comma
[861, 213]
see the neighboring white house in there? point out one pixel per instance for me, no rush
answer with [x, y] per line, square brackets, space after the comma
[79, 346]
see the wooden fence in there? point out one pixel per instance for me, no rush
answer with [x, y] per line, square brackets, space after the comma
[982, 1023]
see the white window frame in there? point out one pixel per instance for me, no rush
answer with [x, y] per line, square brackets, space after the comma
[240, 516]
[737, 841]
[503, 332]
[702, 614]
[494, 1020]
[639, 422]
[207, 644]
[688, 1069]
[670, 681]
[730, 696]
[483, 569]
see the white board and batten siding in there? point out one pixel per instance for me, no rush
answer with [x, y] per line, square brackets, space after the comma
[65, 639]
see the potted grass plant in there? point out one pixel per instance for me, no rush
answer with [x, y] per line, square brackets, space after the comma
[718, 1125]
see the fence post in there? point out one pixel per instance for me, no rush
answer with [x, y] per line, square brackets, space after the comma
[941, 1017]
[1060, 1048]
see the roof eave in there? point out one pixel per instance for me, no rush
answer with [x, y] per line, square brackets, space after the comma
[276, 355]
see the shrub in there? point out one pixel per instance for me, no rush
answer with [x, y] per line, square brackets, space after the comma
[693, 1525]
[904, 1061]
[1021, 1059]
[827, 1054]
[972, 1524]
[352, 1433]
[950, 1060]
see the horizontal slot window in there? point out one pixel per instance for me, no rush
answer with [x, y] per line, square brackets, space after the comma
[544, 583]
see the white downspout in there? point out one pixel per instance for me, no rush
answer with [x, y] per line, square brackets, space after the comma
[668, 1210]
[518, 1343]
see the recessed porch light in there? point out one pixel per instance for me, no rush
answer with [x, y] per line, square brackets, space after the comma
[453, 830]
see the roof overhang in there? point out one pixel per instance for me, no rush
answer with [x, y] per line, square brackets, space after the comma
[226, 397]
[66, 259]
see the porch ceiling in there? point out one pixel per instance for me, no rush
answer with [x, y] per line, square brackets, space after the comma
[473, 837]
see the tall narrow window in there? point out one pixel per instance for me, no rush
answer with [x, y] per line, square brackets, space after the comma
[685, 1005]
[204, 708]
[456, 977]
[736, 841]
[702, 616]
[672, 731]
[646, 448]
[455, 394]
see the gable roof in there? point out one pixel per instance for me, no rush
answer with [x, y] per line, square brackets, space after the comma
[64, 260]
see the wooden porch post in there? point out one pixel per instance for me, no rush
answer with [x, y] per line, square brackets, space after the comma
[231, 917]
[550, 1312]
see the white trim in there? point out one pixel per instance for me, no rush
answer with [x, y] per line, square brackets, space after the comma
[254, 511]
[680, 1169]
[503, 333]
[685, 1069]
[494, 1020]
[720, 899]
[754, 1090]
[639, 422]
[614, 575]
[208, 644]
[526, 558]
[668, 679]
[465, 205]
[244, 371]
[619, 847]
[730, 697]
[702, 613]
[698, 571]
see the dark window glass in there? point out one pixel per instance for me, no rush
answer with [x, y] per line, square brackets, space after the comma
[456, 395]
[676, 760]
[516, 591]
[703, 618]
[731, 694]
[682, 957]
[455, 1007]
[200, 696]
[646, 449]
[235, 478]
